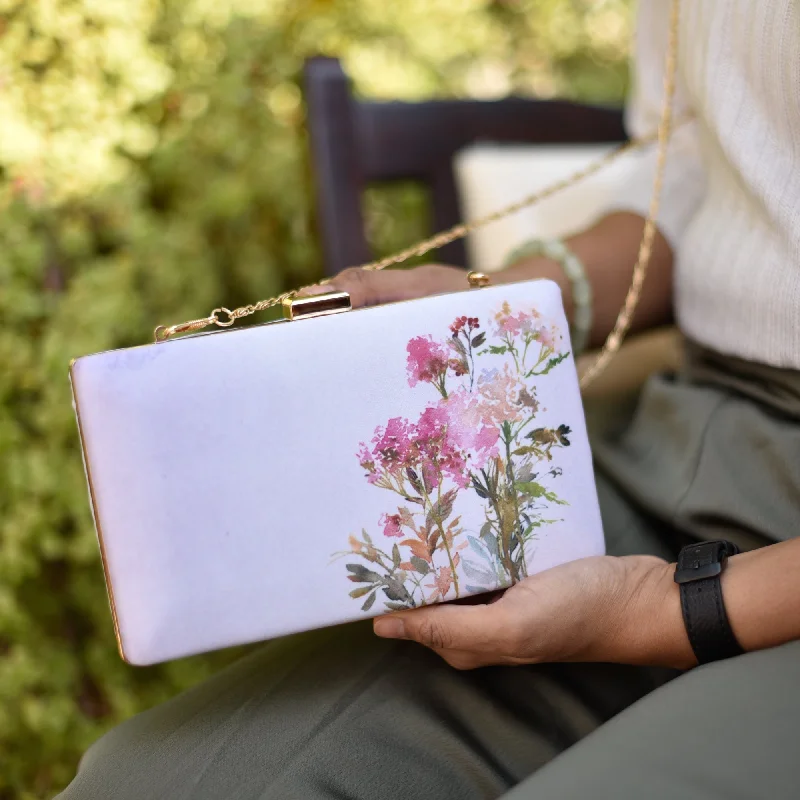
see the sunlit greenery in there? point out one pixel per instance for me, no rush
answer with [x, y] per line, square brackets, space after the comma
[153, 166]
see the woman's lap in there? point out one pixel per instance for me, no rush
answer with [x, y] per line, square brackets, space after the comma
[342, 714]
[339, 714]
[726, 730]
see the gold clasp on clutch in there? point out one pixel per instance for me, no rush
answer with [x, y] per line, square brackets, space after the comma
[477, 280]
[318, 305]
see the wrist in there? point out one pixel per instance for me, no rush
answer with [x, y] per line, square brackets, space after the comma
[653, 632]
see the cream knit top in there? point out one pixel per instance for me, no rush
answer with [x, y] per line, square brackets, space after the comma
[731, 201]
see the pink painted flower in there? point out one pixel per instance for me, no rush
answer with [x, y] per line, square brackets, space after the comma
[459, 367]
[427, 361]
[454, 464]
[451, 438]
[393, 445]
[514, 324]
[545, 336]
[500, 392]
[392, 525]
[432, 423]
[470, 430]
[367, 462]
[470, 323]
[431, 441]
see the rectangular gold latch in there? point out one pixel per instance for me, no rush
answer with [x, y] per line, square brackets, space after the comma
[317, 305]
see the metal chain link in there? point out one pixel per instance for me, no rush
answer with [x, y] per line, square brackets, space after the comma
[623, 321]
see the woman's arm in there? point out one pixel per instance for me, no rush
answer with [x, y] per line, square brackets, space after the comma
[608, 251]
[624, 610]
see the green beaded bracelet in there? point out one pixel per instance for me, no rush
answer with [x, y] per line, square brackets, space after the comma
[557, 251]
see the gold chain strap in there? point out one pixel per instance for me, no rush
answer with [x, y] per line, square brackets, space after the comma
[224, 318]
[623, 322]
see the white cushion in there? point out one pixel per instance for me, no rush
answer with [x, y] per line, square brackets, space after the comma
[490, 176]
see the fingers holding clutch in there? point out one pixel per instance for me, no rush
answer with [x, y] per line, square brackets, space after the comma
[369, 288]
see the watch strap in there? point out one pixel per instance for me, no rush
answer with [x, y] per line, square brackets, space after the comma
[698, 573]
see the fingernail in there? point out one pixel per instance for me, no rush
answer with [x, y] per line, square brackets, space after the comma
[389, 628]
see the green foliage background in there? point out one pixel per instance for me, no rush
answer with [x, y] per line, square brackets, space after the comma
[153, 166]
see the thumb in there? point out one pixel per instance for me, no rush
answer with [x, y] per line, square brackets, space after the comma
[448, 627]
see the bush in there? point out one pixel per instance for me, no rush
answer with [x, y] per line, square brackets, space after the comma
[152, 158]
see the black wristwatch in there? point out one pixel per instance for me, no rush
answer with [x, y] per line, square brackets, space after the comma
[698, 573]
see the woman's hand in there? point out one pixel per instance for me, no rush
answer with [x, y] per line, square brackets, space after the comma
[368, 288]
[624, 610]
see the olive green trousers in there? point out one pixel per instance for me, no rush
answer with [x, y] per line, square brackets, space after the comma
[341, 715]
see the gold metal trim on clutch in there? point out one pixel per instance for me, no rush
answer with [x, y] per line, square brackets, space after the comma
[95, 515]
[316, 305]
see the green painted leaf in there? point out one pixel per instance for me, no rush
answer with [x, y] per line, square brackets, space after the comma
[497, 351]
[362, 575]
[442, 509]
[458, 346]
[532, 488]
[479, 547]
[414, 480]
[395, 590]
[368, 602]
[553, 362]
[494, 547]
[396, 607]
[477, 574]
[478, 340]
[361, 591]
[420, 565]
[479, 490]
[525, 473]
[396, 556]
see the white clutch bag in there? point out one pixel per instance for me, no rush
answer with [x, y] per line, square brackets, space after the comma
[252, 483]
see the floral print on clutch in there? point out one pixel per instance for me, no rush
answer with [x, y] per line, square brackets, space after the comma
[478, 434]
